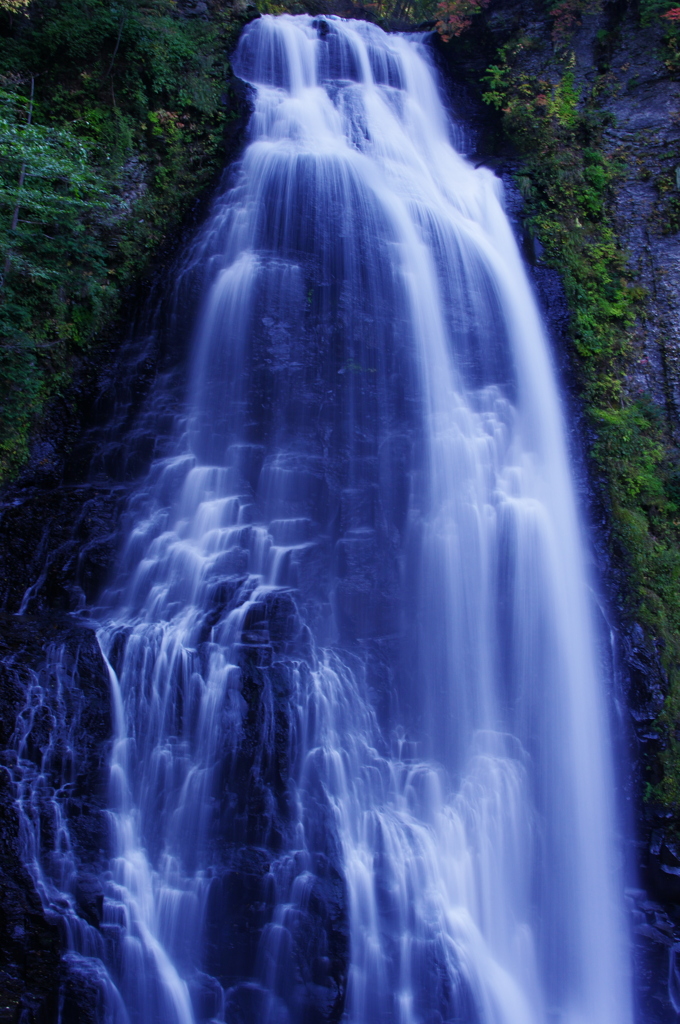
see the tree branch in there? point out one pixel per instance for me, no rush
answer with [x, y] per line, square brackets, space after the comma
[115, 49]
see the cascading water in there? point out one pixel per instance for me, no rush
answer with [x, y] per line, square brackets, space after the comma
[351, 636]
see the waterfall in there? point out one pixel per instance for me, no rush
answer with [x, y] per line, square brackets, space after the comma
[361, 767]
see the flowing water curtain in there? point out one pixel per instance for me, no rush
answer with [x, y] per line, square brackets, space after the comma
[361, 761]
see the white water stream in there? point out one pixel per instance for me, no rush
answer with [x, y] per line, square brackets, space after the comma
[374, 435]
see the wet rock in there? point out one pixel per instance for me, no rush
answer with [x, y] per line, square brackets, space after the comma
[63, 543]
[54, 694]
[248, 1003]
[206, 996]
[59, 538]
[656, 938]
[238, 908]
[664, 871]
[89, 898]
[84, 991]
[322, 945]
[29, 943]
[313, 944]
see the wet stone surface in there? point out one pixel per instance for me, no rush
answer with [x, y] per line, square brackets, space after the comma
[54, 693]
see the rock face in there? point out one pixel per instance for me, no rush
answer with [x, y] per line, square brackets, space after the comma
[645, 138]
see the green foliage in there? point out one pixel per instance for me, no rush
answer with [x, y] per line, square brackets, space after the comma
[53, 260]
[49, 188]
[566, 16]
[652, 10]
[126, 128]
[667, 14]
[14, 6]
[567, 182]
[455, 16]
[397, 13]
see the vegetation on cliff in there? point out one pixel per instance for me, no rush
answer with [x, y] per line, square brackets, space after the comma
[112, 122]
[555, 120]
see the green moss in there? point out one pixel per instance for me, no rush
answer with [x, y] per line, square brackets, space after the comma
[567, 183]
